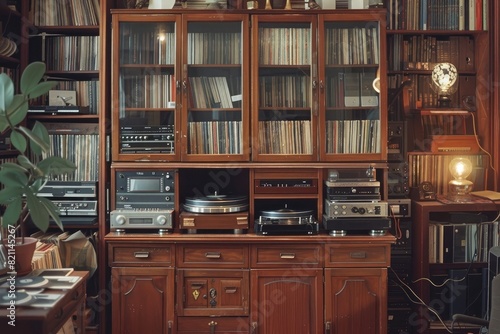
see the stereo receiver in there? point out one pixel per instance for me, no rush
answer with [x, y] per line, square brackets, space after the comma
[145, 189]
[136, 139]
[76, 207]
[352, 191]
[122, 219]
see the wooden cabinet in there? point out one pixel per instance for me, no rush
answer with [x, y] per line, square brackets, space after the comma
[248, 283]
[144, 299]
[143, 284]
[468, 271]
[356, 287]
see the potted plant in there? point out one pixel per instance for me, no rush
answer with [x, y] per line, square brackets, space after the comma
[23, 179]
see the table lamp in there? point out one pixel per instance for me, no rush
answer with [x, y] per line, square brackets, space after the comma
[444, 82]
[459, 188]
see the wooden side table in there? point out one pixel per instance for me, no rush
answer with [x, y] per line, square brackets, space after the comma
[38, 320]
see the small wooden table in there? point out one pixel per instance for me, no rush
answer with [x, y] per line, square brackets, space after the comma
[37, 320]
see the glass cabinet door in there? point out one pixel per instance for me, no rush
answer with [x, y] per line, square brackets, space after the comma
[352, 116]
[215, 104]
[145, 87]
[284, 122]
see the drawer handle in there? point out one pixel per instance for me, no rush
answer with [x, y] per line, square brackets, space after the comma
[212, 255]
[141, 255]
[254, 328]
[212, 324]
[196, 286]
[230, 290]
[287, 255]
[358, 255]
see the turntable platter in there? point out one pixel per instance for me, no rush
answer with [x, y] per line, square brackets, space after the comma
[286, 213]
[216, 204]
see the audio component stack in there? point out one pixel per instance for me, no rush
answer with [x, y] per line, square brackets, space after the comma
[144, 200]
[353, 203]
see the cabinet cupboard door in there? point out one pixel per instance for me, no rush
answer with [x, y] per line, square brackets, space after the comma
[287, 301]
[145, 82]
[356, 302]
[352, 112]
[215, 104]
[143, 300]
[283, 94]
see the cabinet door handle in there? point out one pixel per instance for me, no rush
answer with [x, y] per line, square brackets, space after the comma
[254, 327]
[287, 255]
[212, 255]
[328, 325]
[170, 325]
[358, 255]
[141, 255]
[212, 325]
[230, 290]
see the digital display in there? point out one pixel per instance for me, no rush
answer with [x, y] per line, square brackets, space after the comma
[145, 185]
[139, 221]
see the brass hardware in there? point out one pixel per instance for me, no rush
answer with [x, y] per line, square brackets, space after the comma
[241, 220]
[141, 255]
[230, 290]
[212, 255]
[196, 294]
[287, 255]
[358, 255]
[188, 222]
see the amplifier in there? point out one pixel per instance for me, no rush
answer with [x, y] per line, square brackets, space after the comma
[122, 219]
[135, 139]
[69, 189]
[352, 191]
[76, 207]
[356, 209]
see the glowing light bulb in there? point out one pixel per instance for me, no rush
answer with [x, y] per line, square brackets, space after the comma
[444, 82]
[460, 188]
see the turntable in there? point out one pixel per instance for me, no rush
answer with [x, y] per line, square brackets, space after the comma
[286, 222]
[215, 212]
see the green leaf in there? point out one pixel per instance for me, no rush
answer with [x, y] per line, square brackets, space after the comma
[38, 212]
[12, 212]
[39, 137]
[41, 89]
[53, 211]
[6, 92]
[25, 163]
[13, 178]
[3, 123]
[32, 75]
[18, 109]
[56, 166]
[18, 141]
[9, 194]
[13, 166]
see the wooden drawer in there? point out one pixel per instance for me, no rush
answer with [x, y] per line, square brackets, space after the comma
[266, 256]
[130, 254]
[354, 255]
[209, 325]
[212, 256]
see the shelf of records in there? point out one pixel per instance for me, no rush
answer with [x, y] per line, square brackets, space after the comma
[62, 13]
[464, 242]
[285, 45]
[76, 142]
[352, 45]
[72, 53]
